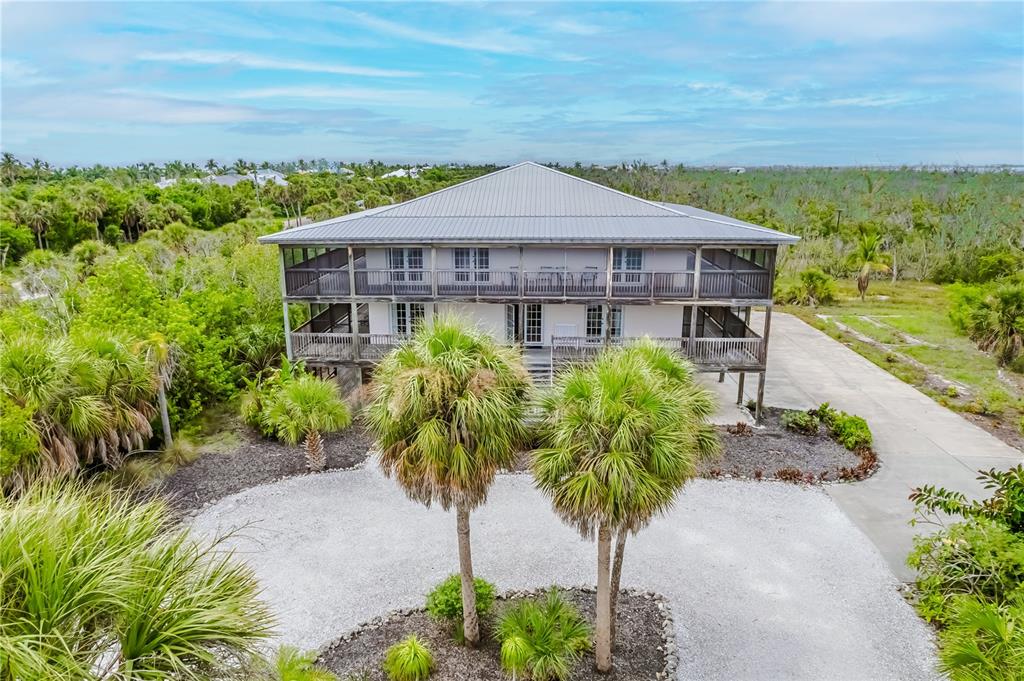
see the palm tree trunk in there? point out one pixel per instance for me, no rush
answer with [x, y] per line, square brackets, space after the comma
[620, 550]
[165, 419]
[602, 637]
[470, 621]
[315, 459]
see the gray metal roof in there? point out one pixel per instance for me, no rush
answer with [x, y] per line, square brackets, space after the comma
[530, 203]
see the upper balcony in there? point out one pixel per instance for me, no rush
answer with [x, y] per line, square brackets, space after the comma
[718, 278]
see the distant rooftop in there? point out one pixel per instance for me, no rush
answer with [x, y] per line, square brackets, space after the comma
[530, 203]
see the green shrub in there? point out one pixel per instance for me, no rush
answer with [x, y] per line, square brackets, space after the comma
[87, 570]
[408, 660]
[801, 421]
[992, 316]
[848, 430]
[980, 558]
[291, 664]
[543, 640]
[444, 603]
[813, 287]
[984, 641]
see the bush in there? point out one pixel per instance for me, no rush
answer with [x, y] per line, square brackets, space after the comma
[291, 664]
[542, 640]
[444, 603]
[850, 431]
[801, 422]
[979, 558]
[93, 578]
[971, 577]
[408, 660]
[992, 316]
[813, 287]
[984, 641]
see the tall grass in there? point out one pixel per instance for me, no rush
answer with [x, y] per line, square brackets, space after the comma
[95, 585]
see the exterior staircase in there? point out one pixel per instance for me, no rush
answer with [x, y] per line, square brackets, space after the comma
[538, 363]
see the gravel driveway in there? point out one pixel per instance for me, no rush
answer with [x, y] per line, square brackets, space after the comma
[766, 580]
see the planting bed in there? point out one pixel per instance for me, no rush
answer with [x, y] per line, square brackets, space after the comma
[255, 461]
[773, 451]
[645, 648]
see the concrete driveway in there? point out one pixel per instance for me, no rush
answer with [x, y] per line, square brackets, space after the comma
[918, 440]
[766, 580]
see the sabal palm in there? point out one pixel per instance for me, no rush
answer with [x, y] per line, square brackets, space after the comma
[868, 257]
[621, 436]
[447, 412]
[89, 398]
[304, 409]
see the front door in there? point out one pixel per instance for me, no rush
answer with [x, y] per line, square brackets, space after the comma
[512, 323]
[534, 331]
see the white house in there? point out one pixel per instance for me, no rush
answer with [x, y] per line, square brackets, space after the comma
[553, 263]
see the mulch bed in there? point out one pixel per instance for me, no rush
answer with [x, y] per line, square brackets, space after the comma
[639, 652]
[771, 451]
[255, 461]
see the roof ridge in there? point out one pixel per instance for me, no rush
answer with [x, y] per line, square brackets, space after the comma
[601, 186]
[738, 223]
[341, 218]
[458, 184]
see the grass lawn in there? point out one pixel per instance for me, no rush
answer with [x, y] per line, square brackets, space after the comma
[911, 320]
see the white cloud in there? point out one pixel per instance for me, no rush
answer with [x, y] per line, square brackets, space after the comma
[255, 61]
[497, 41]
[16, 73]
[850, 22]
[409, 98]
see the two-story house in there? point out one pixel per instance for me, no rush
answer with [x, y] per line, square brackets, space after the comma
[553, 263]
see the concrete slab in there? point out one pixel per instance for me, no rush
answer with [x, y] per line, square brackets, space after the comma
[918, 440]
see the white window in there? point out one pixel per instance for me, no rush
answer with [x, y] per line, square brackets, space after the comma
[534, 324]
[596, 321]
[406, 264]
[472, 264]
[405, 317]
[627, 260]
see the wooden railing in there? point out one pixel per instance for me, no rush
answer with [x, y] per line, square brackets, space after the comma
[735, 284]
[590, 284]
[478, 283]
[302, 281]
[724, 352]
[714, 352]
[393, 283]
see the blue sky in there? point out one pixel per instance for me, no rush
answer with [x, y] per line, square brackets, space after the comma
[705, 83]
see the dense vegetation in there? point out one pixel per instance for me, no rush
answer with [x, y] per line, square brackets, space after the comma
[971, 577]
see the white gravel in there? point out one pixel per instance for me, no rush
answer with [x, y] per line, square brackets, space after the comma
[767, 580]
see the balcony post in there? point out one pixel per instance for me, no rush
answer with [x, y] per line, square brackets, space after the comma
[742, 376]
[608, 280]
[691, 348]
[353, 307]
[764, 335]
[652, 274]
[284, 303]
[433, 271]
[696, 272]
[522, 283]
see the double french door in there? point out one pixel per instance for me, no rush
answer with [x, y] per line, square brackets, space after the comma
[531, 315]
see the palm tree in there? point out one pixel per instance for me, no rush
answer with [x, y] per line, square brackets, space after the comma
[447, 412]
[38, 215]
[163, 356]
[303, 409]
[868, 257]
[10, 167]
[87, 398]
[621, 436]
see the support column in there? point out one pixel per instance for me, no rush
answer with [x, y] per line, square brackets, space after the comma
[739, 393]
[608, 280]
[353, 306]
[284, 304]
[522, 282]
[691, 349]
[433, 270]
[760, 397]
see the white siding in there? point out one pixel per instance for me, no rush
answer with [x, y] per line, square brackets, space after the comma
[574, 259]
[487, 316]
[652, 320]
[556, 315]
[380, 317]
